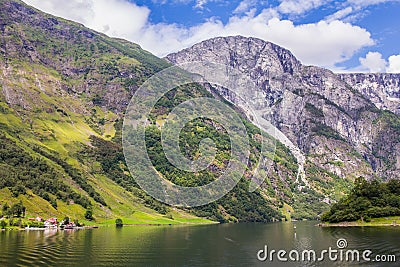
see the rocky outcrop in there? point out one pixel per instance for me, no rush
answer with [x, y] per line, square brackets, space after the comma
[383, 89]
[316, 109]
[106, 71]
[67, 82]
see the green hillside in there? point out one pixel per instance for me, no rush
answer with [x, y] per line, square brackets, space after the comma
[46, 123]
[64, 90]
[367, 200]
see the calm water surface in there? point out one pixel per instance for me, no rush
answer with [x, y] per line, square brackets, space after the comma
[211, 245]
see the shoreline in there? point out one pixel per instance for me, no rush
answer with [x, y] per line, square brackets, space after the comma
[88, 227]
[169, 224]
[357, 224]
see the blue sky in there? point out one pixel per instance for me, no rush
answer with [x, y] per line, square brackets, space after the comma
[342, 35]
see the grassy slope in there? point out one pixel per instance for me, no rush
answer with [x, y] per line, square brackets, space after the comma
[121, 204]
[61, 132]
[44, 102]
[36, 111]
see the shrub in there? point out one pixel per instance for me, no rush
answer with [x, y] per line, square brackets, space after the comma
[169, 216]
[118, 222]
[89, 214]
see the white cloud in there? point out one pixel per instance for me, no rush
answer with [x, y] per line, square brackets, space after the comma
[340, 14]
[297, 7]
[160, 2]
[200, 4]
[323, 43]
[354, 10]
[394, 64]
[118, 18]
[373, 62]
[364, 3]
[245, 6]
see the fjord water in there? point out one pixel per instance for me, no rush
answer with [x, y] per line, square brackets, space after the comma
[208, 245]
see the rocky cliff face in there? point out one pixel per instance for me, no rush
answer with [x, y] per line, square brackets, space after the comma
[64, 89]
[383, 89]
[63, 93]
[334, 121]
[61, 85]
[107, 69]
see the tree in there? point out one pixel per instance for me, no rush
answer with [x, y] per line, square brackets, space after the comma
[118, 222]
[17, 210]
[3, 224]
[6, 209]
[368, 199]
[394, 186]
[89, 214]
[53, 203]
[17, 190]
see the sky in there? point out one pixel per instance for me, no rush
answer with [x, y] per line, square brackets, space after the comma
[341, 35]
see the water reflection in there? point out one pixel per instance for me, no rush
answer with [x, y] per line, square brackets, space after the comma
[213, 245]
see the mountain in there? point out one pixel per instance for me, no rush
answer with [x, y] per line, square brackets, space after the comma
[64, 91]
[382, 89]
[339, 126]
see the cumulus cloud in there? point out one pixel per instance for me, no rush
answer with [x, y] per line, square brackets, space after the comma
[324, 43]
[117, 18]
[394, 64]
[373, 62]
